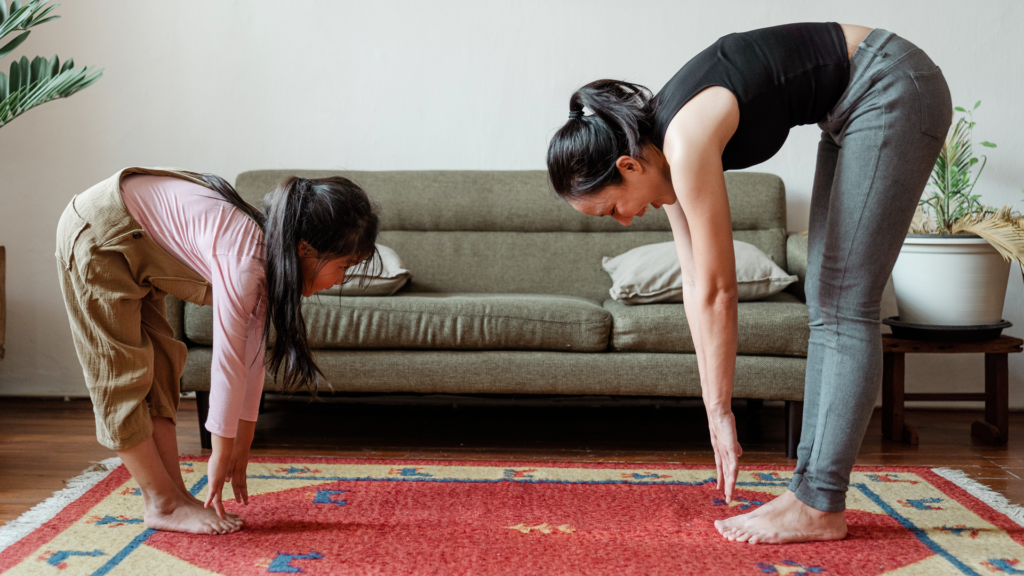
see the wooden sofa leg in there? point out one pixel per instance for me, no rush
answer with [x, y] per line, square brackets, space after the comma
[203, 406]
[794, 422]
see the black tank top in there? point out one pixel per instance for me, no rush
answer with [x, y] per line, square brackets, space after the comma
[782, 76]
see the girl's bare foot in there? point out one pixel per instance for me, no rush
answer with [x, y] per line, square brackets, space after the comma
[233, 517]
[184, 515]
[782, 521]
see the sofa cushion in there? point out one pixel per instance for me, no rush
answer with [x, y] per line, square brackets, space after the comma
[527, 372]
[443, 321]
[774, 326]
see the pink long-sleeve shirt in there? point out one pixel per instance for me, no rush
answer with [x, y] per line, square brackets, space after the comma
[201, 230]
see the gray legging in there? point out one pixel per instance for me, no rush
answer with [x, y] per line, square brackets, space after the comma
[878, 146]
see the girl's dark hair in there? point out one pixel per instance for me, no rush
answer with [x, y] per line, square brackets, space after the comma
[582, 154]
[337, 219]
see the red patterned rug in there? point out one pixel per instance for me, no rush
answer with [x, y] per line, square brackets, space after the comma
[346, 516]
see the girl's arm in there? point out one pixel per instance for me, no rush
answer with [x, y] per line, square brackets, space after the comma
[702, 228]
[236, 373]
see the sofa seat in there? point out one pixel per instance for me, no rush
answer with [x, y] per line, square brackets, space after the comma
[775, 326]
[447, 321]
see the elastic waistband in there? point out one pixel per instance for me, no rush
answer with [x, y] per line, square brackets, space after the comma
[883, 44]
[102, 207]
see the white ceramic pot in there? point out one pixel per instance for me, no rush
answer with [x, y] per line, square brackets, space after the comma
[950, 281]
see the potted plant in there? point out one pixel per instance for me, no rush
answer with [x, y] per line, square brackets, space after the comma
[955, 262]
[40, 80]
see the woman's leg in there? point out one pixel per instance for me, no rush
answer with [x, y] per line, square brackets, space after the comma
[824, 175]
[817, 526]
[888, 141]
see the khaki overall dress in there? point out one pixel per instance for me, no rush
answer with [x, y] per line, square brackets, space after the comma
[114, 278]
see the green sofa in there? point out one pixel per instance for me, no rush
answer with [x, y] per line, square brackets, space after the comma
[508, 296]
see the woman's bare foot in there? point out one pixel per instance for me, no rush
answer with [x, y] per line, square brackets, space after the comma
[782, 521]
[184, 515]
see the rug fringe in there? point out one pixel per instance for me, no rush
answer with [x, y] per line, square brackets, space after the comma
[982, 492]
[40, 514]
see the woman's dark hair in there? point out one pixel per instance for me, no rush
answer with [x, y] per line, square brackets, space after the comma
[337, 219]
[582, 154]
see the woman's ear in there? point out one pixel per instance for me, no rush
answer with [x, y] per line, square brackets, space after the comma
[628, 164]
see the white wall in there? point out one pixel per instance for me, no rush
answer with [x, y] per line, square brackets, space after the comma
[230, 86]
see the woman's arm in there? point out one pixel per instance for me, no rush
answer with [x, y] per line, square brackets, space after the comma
[702, 228]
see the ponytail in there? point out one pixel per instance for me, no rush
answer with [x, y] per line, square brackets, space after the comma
[583, 153]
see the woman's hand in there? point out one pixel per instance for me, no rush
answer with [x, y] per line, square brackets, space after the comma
[727, 449]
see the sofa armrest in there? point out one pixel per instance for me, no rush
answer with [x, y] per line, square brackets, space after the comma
[176, 316]
[796, 260]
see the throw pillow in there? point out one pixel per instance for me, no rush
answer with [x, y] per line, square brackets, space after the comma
[393, 276]
[650, 274]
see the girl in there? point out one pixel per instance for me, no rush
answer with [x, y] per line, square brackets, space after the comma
[884, 108]
[127, 242]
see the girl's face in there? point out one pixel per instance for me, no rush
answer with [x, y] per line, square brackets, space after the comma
[318, 274]
[644, 186]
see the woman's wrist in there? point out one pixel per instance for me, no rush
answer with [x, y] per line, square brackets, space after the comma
[718, 408]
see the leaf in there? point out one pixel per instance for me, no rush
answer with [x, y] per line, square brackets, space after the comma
[65, 84]
[54, 65]
[959, 109]
[3, 83]
[15, 73]
[976, 104]
[3, 11]
[974, 161]
[10, 46]
[68, 64]
[988, 144]
[38, 19]
[15, 5]
[39, 70]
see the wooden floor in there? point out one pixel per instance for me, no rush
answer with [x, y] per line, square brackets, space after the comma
[45, 442]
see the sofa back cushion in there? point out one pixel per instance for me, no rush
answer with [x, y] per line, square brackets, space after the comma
[507, 231]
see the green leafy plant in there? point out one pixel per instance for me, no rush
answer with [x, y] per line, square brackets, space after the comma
[954, 177]
[953, 208]
[41, 80]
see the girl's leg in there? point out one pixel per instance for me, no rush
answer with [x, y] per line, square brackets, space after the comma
[166, 440]
[167, 507]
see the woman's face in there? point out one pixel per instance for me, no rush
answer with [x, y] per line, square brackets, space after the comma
[644, 186]
[318, 274]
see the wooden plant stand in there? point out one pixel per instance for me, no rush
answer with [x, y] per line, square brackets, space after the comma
[993, 429]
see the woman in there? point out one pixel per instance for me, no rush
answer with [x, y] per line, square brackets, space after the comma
[127, 242]
[884, 109]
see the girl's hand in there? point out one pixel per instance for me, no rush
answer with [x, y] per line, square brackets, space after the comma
[240, 462]
[243, 441]
[727, 450]
[220, 470]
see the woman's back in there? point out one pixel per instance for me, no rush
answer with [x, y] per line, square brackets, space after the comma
[782, 76]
